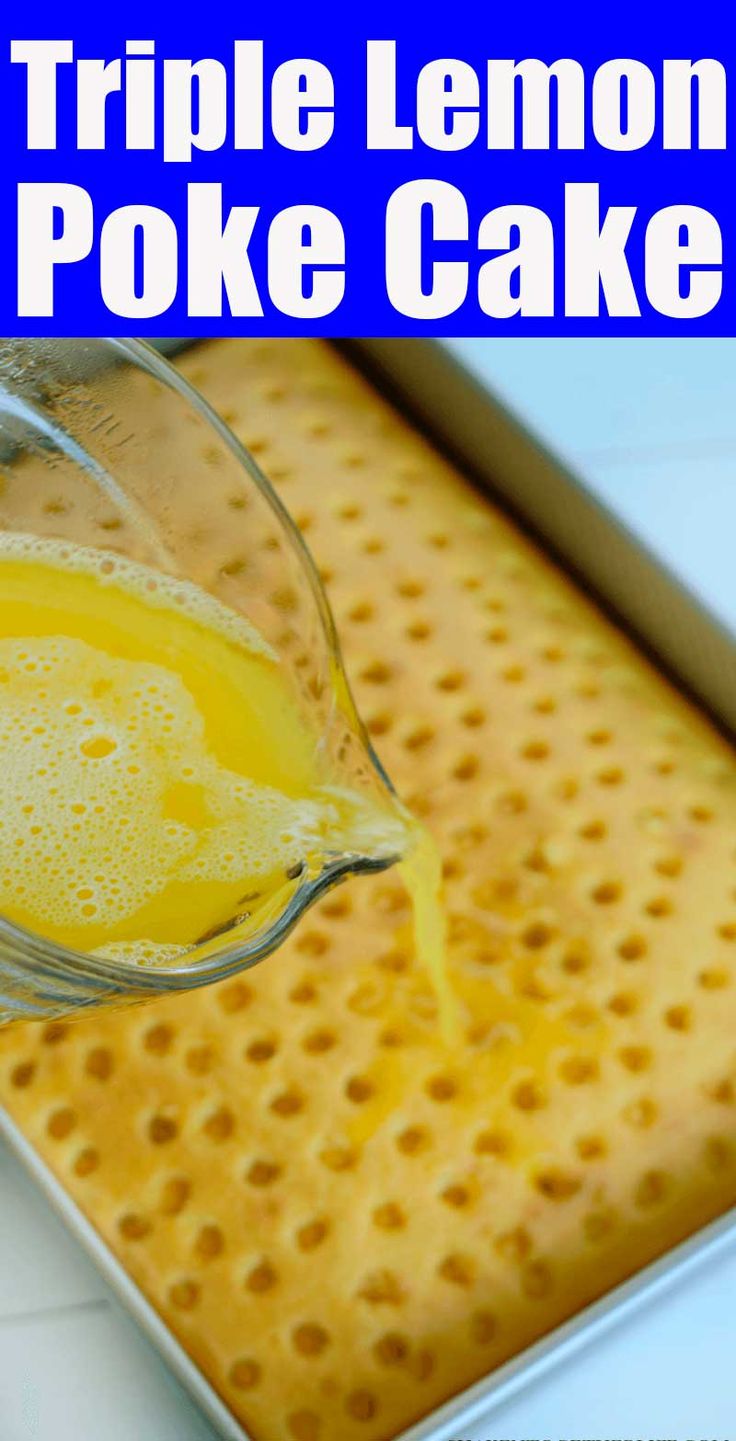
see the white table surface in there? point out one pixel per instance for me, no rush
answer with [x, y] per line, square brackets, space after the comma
[652, 424]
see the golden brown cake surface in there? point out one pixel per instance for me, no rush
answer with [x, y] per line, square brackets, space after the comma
[344, 1221]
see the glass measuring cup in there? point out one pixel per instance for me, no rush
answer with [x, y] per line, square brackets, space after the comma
[103, 444]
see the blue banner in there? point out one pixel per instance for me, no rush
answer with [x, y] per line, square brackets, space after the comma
[390, 171]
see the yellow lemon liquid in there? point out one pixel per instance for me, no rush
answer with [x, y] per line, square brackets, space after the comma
[159, 779]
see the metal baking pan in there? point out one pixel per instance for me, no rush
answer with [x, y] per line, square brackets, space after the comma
[696, 651]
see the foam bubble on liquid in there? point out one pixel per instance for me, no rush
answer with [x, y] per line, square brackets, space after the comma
[110, 791]
[156, 589]
[139, 953]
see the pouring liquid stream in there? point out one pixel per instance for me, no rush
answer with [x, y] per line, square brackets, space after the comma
[162, 788]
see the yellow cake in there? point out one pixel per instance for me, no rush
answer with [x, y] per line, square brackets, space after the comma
[344, 1219]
